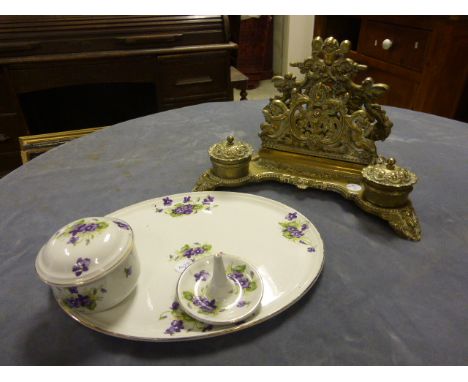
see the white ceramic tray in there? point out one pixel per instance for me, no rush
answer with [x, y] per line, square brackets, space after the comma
[173, 231]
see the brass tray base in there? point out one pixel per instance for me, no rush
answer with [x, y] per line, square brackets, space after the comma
[320, 173]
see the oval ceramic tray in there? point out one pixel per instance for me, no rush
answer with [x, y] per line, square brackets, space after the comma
[173, 231]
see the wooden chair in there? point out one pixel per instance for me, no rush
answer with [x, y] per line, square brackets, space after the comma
[33, 145]
[239, 81]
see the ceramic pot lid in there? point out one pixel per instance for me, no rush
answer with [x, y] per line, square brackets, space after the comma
[84, 250]
[386, 173]
[230, 151]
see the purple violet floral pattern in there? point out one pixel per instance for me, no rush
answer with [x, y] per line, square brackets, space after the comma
[82, 265]
[238, 274]
[294, 229]
[122, 225]
[242, 303]
[239, 277]
[181, 321]
[83, 230]
[128, 271]
[176, 327]
[291, 216]
[209, 199]
[87, 299]
[205, 305]
[202, 275]
[186, 206]
[192, 252]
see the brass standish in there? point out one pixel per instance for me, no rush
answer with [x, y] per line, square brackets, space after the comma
[320, 133]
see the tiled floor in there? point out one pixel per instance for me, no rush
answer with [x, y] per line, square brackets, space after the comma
[265, 90]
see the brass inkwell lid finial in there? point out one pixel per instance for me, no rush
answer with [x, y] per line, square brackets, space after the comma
[230, 158]
[230, 151]
[386, 173]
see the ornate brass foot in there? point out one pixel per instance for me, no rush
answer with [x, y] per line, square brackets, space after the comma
[403, 220]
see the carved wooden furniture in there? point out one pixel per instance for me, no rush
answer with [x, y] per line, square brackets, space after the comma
[424, 59]
[239, 81]
[255, 55]
[62, 73]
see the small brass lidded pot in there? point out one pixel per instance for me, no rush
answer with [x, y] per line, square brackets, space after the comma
[386, 184]
[230, 158]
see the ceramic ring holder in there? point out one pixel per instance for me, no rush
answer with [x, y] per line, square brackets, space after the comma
[219, 290]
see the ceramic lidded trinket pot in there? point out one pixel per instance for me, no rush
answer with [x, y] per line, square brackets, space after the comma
[90, 264]
[386, 184]
[230, 158]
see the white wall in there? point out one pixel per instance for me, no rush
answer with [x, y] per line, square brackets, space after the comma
[292, 39]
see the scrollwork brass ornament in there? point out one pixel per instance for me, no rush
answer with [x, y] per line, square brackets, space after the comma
[320, 132]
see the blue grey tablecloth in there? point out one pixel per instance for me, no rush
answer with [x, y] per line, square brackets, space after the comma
[380, 300]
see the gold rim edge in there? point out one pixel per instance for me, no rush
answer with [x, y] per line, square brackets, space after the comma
[234, 329]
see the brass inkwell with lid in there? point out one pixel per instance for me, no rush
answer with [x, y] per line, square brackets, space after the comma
[386, 184]
[320, 132]
[231, 158]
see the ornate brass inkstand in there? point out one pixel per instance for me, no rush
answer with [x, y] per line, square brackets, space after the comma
[320, 133]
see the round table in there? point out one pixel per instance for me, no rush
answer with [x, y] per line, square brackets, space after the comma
[380, 300]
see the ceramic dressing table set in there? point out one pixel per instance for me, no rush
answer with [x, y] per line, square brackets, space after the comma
[207, 263]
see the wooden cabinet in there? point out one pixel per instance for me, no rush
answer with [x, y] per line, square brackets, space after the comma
[192, 78]
[424, 59]
[62, 73]
[399, 45]
[254, 35]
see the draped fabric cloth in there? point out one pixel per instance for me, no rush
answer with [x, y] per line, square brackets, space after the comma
[381, 300]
